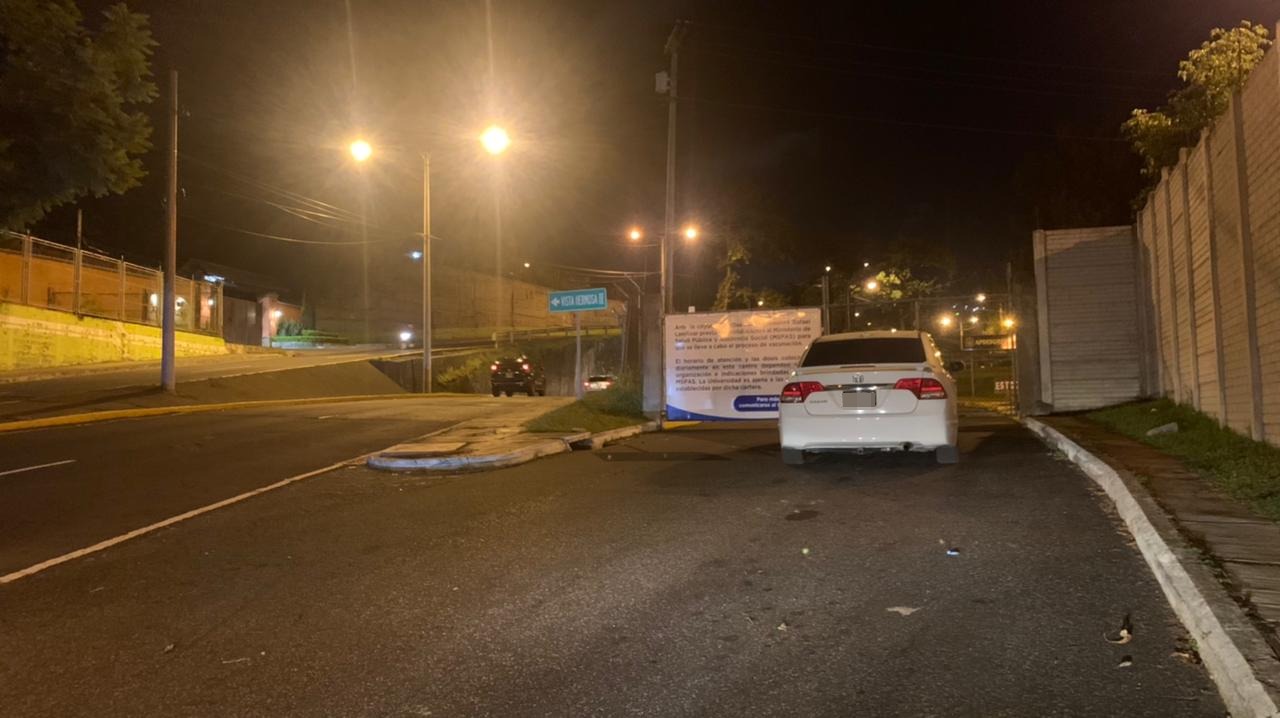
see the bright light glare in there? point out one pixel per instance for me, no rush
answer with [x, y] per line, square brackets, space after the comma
[361, 150]
[866, 264]
[406, 335]
[973, 319]
[526, 265]
[416, 254]
[1008, 323]
[828, 267]
[277, 314]
[495, 140]
[872, 285]
[690, 232]
[945, 320]
[635, 234]
[981, 298]
[759, 302]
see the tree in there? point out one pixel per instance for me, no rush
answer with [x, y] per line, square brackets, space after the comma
[729, 293]
[1212, 73]
[71, 103]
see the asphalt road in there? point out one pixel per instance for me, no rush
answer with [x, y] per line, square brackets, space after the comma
[679, 574]
[91, 387]
[97, 481]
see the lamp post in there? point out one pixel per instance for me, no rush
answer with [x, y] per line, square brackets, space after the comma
[495, 141]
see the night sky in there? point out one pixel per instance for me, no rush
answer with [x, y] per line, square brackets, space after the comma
[842, 131]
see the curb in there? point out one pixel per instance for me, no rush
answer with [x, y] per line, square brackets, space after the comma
[1238, 658]
[523, 455]
[140, 413]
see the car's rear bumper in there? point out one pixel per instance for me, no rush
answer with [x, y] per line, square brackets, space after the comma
[930, 426]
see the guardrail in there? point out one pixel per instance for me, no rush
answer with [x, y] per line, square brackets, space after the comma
[40, 273]
[511, 336]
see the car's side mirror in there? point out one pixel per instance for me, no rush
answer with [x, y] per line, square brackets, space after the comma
[954, 366]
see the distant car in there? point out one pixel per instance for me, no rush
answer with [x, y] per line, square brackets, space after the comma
[517, 374]
[599, 382]
[868, 392]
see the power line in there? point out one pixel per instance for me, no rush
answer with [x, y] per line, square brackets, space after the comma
[930, 80]
[936, 53]
[905, 123]
[277, 237]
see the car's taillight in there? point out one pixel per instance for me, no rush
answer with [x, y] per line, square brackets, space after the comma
[923, 387]
[797, 391]
[525, 367]
[493, 367]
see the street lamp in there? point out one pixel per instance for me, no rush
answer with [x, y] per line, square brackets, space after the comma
[690, 232]
[495, 140]
[1008, 323]
[973, 318]
[361, 150]
[635, 235]
[945, 320]
[872, 285]
[526, 265]
[981, 297]
[828, 268]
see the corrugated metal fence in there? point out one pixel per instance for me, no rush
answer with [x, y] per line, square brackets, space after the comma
[1209, 238]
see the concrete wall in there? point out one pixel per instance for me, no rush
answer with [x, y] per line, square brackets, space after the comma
[1209, 240]
[1087, 317]
[32, 337]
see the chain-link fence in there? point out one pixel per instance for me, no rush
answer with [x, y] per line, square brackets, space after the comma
[44, 274]
[977, 330]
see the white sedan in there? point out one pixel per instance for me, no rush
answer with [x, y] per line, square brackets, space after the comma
[870, 391]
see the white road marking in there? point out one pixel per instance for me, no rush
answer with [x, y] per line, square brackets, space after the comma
[37, 466]
[101, 545]
[23, 573]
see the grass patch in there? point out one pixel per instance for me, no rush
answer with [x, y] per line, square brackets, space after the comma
[1246, 469]
[612, 408]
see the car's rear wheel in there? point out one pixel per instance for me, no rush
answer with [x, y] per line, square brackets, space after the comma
[793, 457]
[496, 391]
[947, 454]
[509, 392]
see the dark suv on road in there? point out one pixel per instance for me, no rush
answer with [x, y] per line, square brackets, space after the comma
[517, 374]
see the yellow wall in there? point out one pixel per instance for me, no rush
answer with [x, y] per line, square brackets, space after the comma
[31, 337]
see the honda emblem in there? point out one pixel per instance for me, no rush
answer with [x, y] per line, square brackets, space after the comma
[857, 378]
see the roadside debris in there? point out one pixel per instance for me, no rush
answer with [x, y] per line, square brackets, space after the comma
[167, 648]
[902, 610]
[805, 551]
[1186, 649]
[1125, 662]
[1170, 428]
[953, 552]
[235, 660]
[783, 626]
[1122, 636]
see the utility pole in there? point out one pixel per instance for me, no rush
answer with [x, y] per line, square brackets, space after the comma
[826, 303]
[79, 265]
[667, 271]
[167, 339]
[426, 273]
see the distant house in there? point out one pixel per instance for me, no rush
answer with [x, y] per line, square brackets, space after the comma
[253, 304]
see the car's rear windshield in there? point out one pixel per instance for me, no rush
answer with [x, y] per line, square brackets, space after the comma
[599, 377]
[871, 350]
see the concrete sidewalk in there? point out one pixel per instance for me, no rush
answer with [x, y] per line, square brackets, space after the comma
[1244, 547]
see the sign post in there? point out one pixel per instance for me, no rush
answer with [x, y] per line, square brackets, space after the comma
[578, 301]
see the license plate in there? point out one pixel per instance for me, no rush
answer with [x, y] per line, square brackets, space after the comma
[859, 399]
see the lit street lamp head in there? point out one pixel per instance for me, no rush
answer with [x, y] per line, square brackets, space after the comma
[361, 150]
[635, 234]
[690, 232]
[945, 320]
[981, 298]
[526, 265]
[872, 285]
[828, 268]
[1008, 323]
[495, 140]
